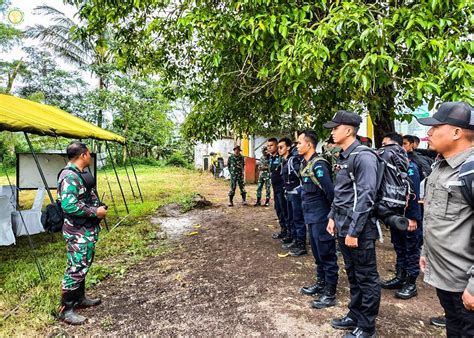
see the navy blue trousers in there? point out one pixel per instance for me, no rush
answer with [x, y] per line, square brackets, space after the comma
[323, 246]
[407, 245]
[295, 217]
[281, 207]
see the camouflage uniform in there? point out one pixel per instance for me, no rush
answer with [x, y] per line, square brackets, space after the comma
[264, 178]
[81, 226]
[236, 168]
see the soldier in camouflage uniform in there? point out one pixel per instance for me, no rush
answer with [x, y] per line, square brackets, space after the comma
[82, 215]
[264, 178]
[236, 166]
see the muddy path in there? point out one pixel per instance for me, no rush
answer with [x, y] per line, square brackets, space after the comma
[227, 279]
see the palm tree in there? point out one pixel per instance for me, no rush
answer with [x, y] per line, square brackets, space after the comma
[87, 53]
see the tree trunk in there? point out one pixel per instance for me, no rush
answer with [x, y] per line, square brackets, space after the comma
[12, 77]
[382, 112]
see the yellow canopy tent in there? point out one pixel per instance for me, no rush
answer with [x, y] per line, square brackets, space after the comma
[18, 114]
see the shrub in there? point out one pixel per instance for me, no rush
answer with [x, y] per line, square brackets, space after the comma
[177, 159]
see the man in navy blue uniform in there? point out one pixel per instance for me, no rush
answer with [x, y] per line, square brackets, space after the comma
[407, 243]
[296, 238]
[351, 220]
[318, 194]
[278, 188]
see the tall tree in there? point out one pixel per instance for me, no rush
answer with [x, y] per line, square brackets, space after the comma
[91, 53]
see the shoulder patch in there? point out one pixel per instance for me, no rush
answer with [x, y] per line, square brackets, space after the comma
[319, 173]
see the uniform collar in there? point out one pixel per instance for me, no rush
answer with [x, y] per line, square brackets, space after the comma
[73, 166]
[345, 153]
[458, 159]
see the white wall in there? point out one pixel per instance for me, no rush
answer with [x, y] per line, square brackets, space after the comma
[224, 147]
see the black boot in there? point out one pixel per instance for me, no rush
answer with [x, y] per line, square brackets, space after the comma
[231, 201]
[287, 246]
[318, 287]
[408, 289]
[83, 300]
[396, 282]
[258, 203]
[299, 249]
[267, 202]
[279, 235]
[67, 313]
[244, 196]
[287, 239]
[327, 298]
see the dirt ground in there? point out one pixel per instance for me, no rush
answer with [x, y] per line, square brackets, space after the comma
[224, 277]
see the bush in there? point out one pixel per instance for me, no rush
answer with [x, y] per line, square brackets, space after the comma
[177, 159]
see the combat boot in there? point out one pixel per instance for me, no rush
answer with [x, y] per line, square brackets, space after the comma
[244, 196]
[67, 313]
[298, 250]
[279, 235]
[318, 287]
[267, 202]
[287, 239]
[231, 201]
[408, 290]
[287, 246]
[83, 300]
[258, 203]
[327, 298]
[396, 282]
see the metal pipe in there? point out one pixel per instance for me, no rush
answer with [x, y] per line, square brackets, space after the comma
[134, 173]
[117, 176]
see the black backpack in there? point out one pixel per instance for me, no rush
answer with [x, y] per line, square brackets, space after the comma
[393, 185]
[53, 217]
[466, 180]
[424, 162]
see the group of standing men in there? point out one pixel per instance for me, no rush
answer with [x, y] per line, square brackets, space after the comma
[343, 209]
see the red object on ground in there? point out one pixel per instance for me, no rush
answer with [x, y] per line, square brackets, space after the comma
[250, 170]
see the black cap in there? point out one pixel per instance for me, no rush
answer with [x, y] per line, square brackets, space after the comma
[344, 117]
[459, 114]
[237, 147]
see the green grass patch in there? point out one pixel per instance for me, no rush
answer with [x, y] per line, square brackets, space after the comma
[28, 304]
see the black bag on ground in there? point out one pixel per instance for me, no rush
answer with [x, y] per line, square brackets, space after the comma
[53, 217]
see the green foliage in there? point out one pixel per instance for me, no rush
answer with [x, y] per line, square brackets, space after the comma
[256, 65]
[178, 159]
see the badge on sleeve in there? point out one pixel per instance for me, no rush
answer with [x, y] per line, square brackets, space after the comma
[319, 173]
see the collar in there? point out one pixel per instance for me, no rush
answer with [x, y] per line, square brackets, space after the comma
[458, 159]
[345, 153]
[72, 165]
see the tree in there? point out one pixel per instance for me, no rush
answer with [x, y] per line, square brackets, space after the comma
[139, 112]
[90, 53]
[274, 64]
[43, 80]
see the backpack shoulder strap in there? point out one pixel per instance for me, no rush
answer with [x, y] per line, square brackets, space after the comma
[466, 176]
[357, 150]
[308, 170]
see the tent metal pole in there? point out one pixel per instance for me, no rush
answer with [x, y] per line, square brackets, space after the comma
[134, 173]
[110, 188]
[128, 178]
[116, 175]
[39, 168]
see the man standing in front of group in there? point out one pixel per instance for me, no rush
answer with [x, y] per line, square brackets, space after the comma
[318, 194]
[82, 215]
[296, 238]
[447, 258]
[351, 221]
[278, 188]
[236, 164]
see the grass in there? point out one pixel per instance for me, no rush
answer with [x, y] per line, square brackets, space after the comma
[28, 304]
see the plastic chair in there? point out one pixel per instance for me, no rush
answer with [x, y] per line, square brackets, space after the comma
[6, 232]
[32, 217]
